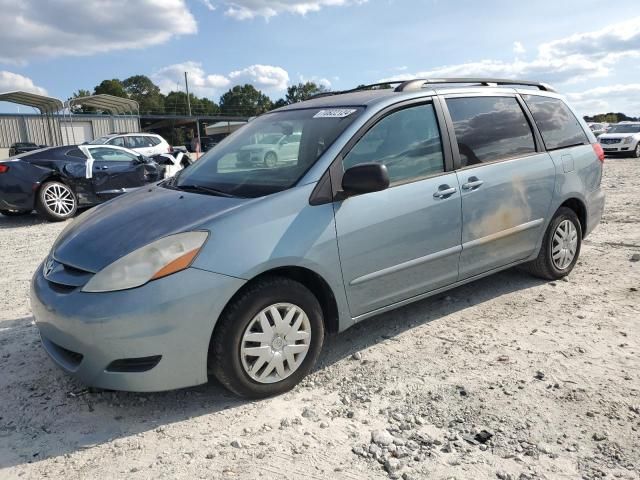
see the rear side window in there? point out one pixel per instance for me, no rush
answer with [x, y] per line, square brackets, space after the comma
[406, 141]
[558, 125]
[490, 128]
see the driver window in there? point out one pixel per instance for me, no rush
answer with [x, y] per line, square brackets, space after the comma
[407, 141]
[111, 155]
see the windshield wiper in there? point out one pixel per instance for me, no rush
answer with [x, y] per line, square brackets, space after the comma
[202, 189]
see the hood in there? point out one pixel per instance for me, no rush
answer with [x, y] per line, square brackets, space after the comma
[617, 136]
[109, 231]
[259, 146]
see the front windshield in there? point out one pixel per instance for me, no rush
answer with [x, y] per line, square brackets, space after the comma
[625, 128]
[269, 154]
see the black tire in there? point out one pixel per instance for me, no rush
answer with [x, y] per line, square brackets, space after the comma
[15, 213]
[543, 266]
[270, 159]
[50, 214]
[636, 151]
[224, 351]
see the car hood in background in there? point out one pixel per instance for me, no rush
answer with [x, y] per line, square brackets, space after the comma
[616, 136]
[111, 230]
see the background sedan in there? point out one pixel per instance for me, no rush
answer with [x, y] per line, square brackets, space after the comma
[56, 181]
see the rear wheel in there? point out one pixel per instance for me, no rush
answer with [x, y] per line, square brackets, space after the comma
[56, 201]
[270, 159]
[267, 339]
[15, 213]
[560, 248]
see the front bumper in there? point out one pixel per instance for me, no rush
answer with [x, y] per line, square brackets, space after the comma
[619, 147]
[171, 318]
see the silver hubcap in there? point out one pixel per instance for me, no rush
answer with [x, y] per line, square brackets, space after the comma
[565, 244]
[275, 343]
[58, 199]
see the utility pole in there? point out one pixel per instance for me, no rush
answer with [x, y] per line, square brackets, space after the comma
[186, 84]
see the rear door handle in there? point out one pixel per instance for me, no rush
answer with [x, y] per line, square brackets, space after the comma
[444, 191]
[472, 183]
[104, 167]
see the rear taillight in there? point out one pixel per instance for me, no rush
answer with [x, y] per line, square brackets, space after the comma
[4, 168]
[599, 151]
[169, 149]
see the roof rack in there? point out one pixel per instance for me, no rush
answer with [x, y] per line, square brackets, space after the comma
[416, 84]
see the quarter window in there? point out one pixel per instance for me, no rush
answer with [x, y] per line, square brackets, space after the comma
[406, 141]
[558, 125]
[490, 128]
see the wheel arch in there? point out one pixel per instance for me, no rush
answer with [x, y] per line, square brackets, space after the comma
[317, 285]
[580, 209]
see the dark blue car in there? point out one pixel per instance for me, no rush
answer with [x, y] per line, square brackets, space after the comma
[56, 181]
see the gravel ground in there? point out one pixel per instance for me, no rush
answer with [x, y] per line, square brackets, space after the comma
[509, 377]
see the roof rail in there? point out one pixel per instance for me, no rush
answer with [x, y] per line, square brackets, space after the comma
[417, 84]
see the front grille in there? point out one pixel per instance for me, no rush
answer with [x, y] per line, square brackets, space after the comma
[64, 278]
[607, 141]
[134, 365]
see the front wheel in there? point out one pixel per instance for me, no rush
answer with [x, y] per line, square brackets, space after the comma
[270, 159]
[56, 201]
[636, 152]
[560, 247]
[267, 339]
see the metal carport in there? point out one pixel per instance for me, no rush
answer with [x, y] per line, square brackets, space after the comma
[106, 103]
[47, 107]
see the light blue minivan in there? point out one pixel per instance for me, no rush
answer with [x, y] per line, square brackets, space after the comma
[240, 268]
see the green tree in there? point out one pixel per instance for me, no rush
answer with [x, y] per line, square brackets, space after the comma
[302, 92]
[111, 87]
[141, 89]
[245, 101]
[81, 108]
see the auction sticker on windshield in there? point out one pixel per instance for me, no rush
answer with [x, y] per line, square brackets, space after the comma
[335, 113]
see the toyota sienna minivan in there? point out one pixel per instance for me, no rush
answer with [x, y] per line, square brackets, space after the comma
[240, 269]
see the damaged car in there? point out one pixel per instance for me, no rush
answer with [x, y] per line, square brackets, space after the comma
[391, 195]
[57, 181]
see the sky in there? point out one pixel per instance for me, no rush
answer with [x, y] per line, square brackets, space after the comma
[587, 50]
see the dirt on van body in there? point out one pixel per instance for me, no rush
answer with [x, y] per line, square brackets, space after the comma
[509, 377]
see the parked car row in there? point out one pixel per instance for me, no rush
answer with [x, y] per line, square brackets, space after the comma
[23, 147]
[56, 181]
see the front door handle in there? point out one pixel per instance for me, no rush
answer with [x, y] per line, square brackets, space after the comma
[444, 191]
[104, 167]
[472, 183]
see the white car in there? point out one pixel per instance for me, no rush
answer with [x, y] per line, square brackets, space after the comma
[622, 138]
[148, 144]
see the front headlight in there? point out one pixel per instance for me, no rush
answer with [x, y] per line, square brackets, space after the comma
[627, 140]
[155, 260]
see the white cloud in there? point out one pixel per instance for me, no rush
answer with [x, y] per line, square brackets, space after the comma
[171, 78]
[567, 60]
[264, 77]
[209, 5]
[35, 29]
[623, 98]
[14, 81]
[518, 48]
[248, 9]
[321, 81]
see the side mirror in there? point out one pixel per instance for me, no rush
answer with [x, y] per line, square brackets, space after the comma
[365, 178]
[140, 159]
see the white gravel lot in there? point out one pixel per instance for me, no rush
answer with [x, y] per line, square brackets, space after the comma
[549, 371]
